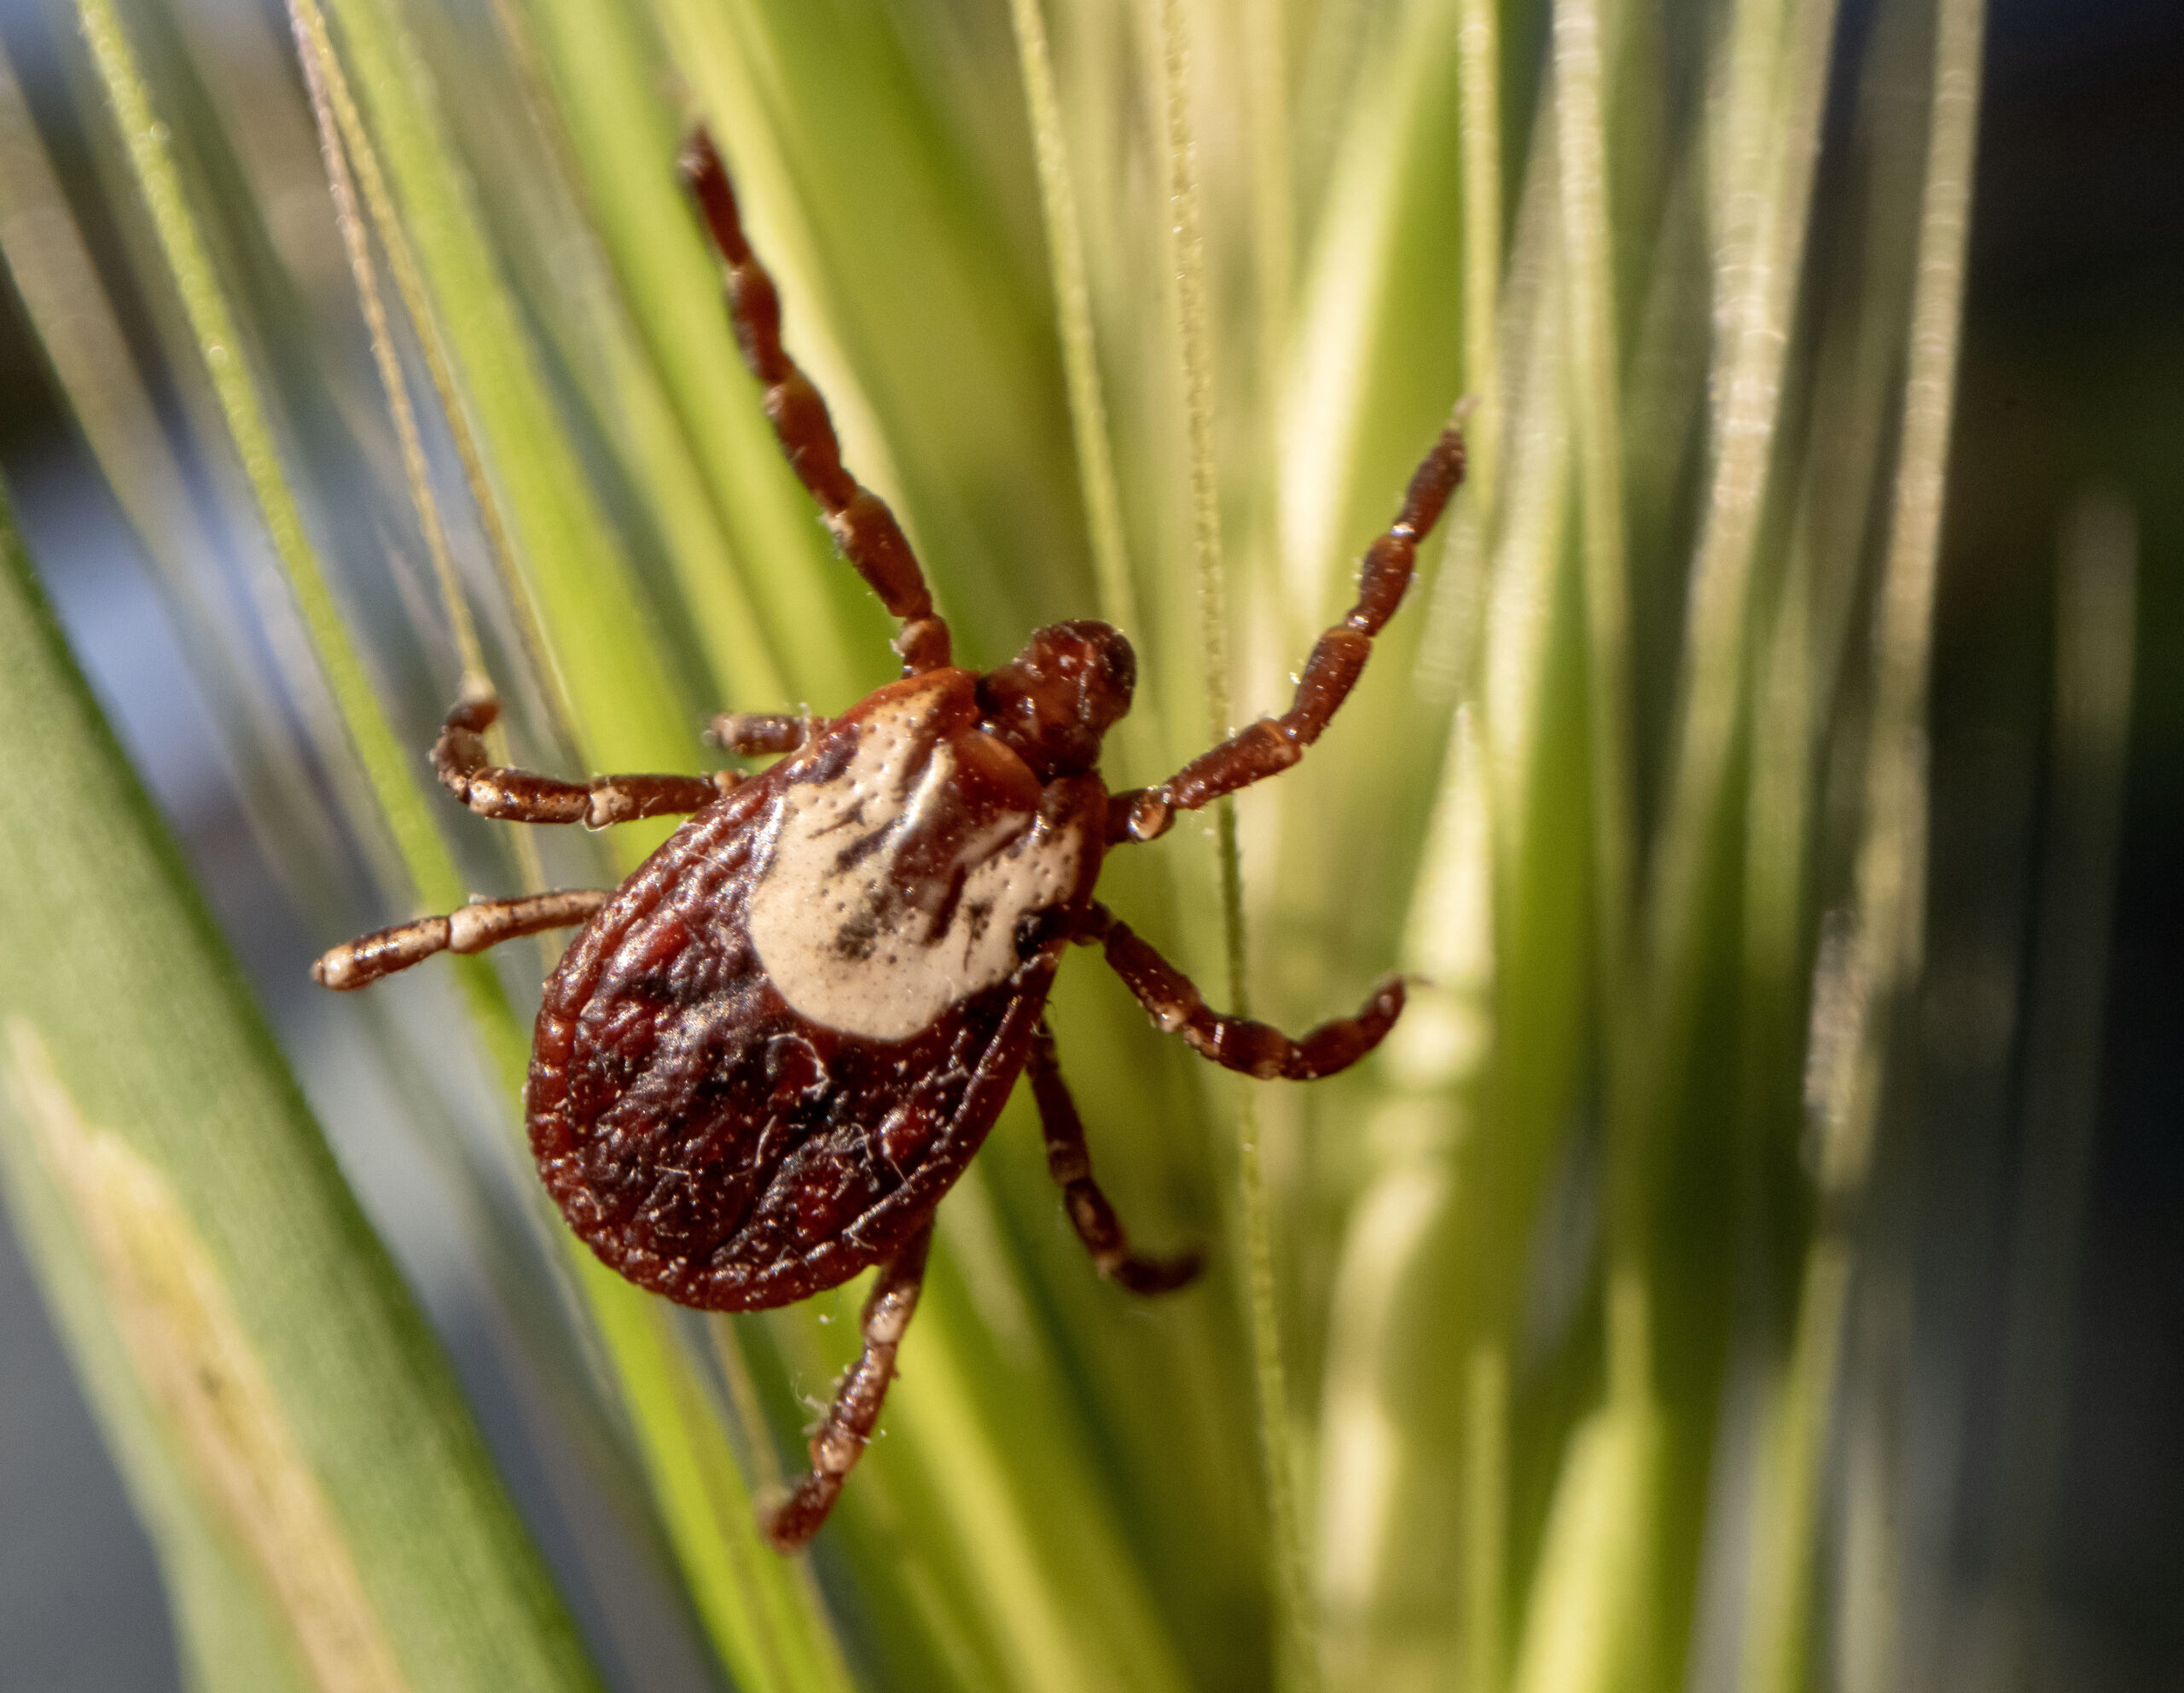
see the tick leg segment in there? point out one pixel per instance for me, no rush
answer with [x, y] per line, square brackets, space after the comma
[758, 732]
[864, 529]
[357, 963]
[842, 1439]
[1272, 744]
[523, 797]
[1234, 1042]
[1070, 1165]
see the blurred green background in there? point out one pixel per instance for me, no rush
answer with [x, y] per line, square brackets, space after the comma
[1993, 1291]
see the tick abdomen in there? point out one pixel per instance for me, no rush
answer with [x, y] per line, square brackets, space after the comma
[752, 1070]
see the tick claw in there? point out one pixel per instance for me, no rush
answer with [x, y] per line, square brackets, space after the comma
[1150, 1277]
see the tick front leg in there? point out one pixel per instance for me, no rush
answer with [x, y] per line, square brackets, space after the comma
[842, 1439]
[1234, 1042]
[866, 531]
[1272, 744]
[358, 963]
[523, 797]
[1070, 1164]
[756, 733]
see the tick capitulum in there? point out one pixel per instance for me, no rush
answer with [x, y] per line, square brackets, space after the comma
[774, 1048]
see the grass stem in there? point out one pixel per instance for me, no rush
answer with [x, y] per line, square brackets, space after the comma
[1298, 1653]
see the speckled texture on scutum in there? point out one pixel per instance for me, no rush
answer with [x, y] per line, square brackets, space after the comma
[714, 1144]
[891, 891]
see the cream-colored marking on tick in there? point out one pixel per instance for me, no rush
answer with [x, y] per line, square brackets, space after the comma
[844, 945]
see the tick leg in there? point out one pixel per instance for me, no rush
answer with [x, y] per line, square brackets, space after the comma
[522, 797]
[755, 732]
[841, 1439]
[1272, 744]
[471, 930]
[1070, 1165]
[1234, 1042]
[864, 529]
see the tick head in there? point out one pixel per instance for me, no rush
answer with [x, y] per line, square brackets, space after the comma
[1053, 700]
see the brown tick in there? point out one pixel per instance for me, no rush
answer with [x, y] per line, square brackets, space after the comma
[774, 1048]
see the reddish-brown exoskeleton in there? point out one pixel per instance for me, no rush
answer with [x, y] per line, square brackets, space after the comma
[775, 1046]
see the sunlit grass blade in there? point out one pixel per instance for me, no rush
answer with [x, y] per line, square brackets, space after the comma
[1478, 47]
[1863, 984]
[333, 97]
[1777, 95]
[387, 359]
[1583, 1621]
[1376, 357]
[1588, 269]
[1620, 1509]
[453, 604]
[765, 1623]
[226, 357]
[920, 313]
[1395, 1485]
[628, 714]
[333, 1517]
[1059, 1601]
[773, 562]
[1296, 1655]
[1488, 1040]
[1887, 941]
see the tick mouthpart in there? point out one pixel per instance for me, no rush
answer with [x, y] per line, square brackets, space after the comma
[1054, 702]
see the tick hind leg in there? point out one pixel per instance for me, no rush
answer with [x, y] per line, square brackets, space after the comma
[358, 963]
[1070, 1165]
[523, 796]
[1272, 744]
[1234, 1042]
[865, 529]
[843, 1437]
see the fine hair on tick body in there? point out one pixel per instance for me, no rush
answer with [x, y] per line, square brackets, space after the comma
[769, 1053]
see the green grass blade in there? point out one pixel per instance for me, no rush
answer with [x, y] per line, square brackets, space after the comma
[605, 73]
[226, 358]
[309, 27]
[1298, 1657]
[2096, 616]
[922, 314]
[1775, 102]
[1585, 1615]
[1589, 262]
[69, 309]
[1479, 69]
[1096, 461]
[343, 1485]
[677, 1434]
[1861, 991]
[766, 1625]
[1378, 352]
[627, 714]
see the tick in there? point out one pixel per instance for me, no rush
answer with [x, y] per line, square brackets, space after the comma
[773, 1050]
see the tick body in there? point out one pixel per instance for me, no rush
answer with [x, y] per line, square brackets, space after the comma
[770, 1052]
